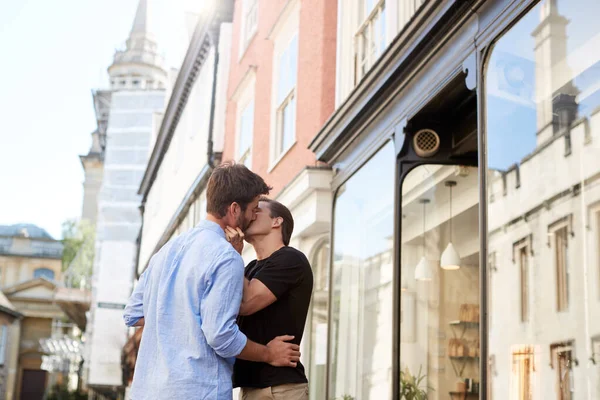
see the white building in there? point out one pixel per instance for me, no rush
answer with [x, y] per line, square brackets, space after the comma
[130, 108]
[188, 144]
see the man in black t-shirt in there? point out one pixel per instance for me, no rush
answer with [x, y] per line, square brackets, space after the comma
[277, 291]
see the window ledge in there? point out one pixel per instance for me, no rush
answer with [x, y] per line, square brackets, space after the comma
[277, 160]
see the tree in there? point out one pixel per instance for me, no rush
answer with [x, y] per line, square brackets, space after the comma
[78, 254]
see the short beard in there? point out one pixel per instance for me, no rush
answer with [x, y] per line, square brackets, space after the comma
[241, 223]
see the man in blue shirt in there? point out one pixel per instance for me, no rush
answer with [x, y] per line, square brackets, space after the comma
[189, 297]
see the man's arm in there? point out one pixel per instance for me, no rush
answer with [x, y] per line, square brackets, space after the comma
[272, 282]
[219, 310]
[256, 297]
[134, 311]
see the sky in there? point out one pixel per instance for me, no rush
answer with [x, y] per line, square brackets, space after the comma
[53, 54]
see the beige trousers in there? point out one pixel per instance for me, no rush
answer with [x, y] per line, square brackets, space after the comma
[290, 391]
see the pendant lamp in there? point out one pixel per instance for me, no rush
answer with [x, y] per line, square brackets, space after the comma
[423, 269]
[450, 258]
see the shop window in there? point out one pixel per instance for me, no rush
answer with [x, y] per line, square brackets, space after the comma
[318, 322]
[541, 99]
[361, 284]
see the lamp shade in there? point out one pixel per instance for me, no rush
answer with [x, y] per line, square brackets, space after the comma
[423, 270]
[450, 258]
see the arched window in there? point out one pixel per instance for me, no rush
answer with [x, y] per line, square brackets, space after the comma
[317, 323]
[43, 273]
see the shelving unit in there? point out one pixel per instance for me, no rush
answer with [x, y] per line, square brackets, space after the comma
[459, 329]
[458, 325]
[462, 395]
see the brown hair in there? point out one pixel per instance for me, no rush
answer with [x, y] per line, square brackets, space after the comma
[229, 183]
[279, 210]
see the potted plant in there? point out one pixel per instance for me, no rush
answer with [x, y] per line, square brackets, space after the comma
[410, 386]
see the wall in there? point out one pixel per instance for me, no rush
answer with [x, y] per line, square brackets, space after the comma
[314, 90]
[127, 149]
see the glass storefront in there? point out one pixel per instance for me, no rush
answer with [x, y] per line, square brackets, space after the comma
[543, 130]
[541, 99]
[362, 278]
[317, 322]
[439, 331]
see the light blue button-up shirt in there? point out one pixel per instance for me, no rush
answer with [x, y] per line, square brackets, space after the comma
[189, 296]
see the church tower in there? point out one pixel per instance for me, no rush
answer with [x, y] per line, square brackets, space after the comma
[126, 115]
[139, 66]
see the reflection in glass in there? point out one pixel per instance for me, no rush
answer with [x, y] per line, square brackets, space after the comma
[318, 322]
[543, 126]
[362, 276]
[439, 328]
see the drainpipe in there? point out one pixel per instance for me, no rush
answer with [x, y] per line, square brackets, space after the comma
[211, 159]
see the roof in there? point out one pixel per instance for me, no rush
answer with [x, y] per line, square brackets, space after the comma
[7, 307]
[24, 230]
[31, 283]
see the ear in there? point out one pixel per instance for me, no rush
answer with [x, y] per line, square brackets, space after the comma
[277, 222]
[234, 209]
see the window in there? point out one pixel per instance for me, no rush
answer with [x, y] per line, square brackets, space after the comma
[286, 99]
[523, 369]
[245, 136]
[560, 236]
[369, 40]
[541, 85]
[562, 361]
[3, 343]
[318, 322]
[521, 252]
[249, 22]
[43, 273]
[361, 290]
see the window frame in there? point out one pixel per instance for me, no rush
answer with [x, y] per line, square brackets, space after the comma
[246, 156]
[556, 350]
[561, 272]
[368, 24]
[3, 343]
[278, 151]
[522, 255]
[247, 33]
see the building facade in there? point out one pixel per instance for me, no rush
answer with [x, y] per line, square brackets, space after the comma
[31, 269]
[127, 113]
[281, 90]
[465, 247]
[9, 317]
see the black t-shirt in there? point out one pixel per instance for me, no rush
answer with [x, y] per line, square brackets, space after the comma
[288, 276]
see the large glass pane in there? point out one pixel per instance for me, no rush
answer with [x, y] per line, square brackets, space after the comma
[362, 297]
[543, 127]
[440, 291]
[318, 323]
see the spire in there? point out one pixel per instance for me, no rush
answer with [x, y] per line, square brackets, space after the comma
[141, 22]
[140, 37]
